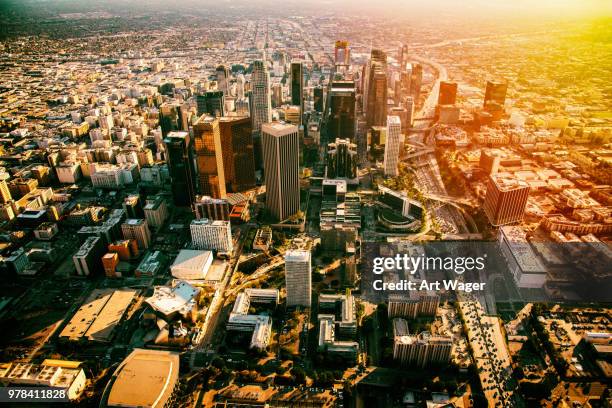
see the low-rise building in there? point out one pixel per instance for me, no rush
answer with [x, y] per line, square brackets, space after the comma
[263, 239]
[60, 374]
[260, 325]
[99, 316]
[46, 231]
[521, 259]
[146, 378]
[192, 264]
[181, 300]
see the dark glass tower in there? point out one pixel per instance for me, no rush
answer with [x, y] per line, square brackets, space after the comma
[238, 153]
[173, 117]
[179, 155]
[448, 93]
[341, 111]
[211, 103]
[297, 86]
[318, 99]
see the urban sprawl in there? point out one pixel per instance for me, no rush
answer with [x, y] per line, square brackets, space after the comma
[197, 210]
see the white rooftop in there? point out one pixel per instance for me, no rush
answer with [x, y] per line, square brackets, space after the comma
[192, 264]
[167, 300]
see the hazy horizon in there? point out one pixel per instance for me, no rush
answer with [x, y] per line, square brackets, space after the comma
[569, 9]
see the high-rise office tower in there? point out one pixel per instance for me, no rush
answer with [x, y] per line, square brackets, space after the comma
[405, 77]
[397, 88]
[179, 153]
[341, 160]
[341, 121]
[277, 95]
[403, 115]
[448, 93]
[261, 111]
[211, 103]
[490, 161]
[342, 53]
[318, 99]
[298, 278]
[292, 115]
[409, 106]
[132, 204]
[209, 156]
[280, 145]
[238, 153]
[260, 104]
[5, 193]
[173, 117]
[240, 85]
[297, 85]
[212, 235]
[223, 78]
[138, 230]
[394, 130]
[402, 56]
[495, 94]
[416, 80]
[376, 97]
[505, 200]
[242, 107]
[211, 208]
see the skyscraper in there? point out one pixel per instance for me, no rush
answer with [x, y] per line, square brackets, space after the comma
[260, 96]
[409, 106]
[402, 56]
[416, 80]
[240, 82]
[342, 53]
[341, 160]
[5, 193]
[495, 94]
[209, 156]
[181, 166]
[318, 99]
[238, 153]
[223, 77]
[173, 117]
[405, 78]
[298, 278]
[404, 116]
[448, 93]
[341, 110]
[297, 85]
[394, 130]
[505, 200]
[211, 103]
[280, 145]
[376, 93]
[489, 161]
[277, 95]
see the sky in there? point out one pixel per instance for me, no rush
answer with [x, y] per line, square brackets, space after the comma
[396, 8]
